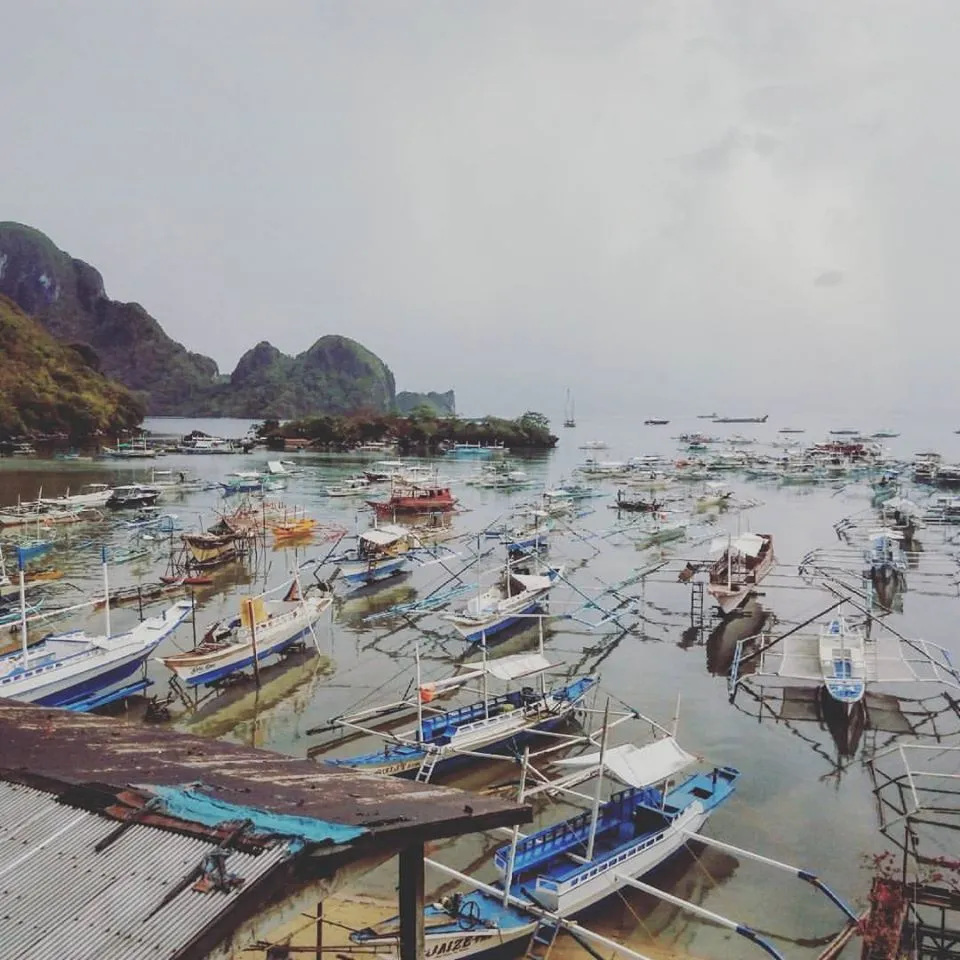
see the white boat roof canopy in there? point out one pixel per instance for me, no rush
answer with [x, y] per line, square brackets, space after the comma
[638, 766]
[384, 535]
[747, 544]
[519, 665]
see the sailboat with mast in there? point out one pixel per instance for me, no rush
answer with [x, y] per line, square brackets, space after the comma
[569, 413]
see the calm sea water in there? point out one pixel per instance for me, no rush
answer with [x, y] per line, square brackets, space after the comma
[799, 799]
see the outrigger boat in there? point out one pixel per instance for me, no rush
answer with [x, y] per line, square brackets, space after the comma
[842, 661]
[90, 495]
[208, 550]
[79, 671]
[494, 725]
[381, 552]
[744, 563]
[842, 658]
[513, 597]
[561, 870]
[264, 628]
[885, 560]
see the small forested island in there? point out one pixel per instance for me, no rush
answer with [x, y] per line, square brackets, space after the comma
[421, 432]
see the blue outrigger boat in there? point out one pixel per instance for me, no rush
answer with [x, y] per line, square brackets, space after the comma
[568, 866]
[556, 873]
[493, 725]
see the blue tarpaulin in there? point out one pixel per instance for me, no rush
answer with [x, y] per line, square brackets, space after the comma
[188, 803]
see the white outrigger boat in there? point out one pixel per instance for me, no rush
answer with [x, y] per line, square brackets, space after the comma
[556, 873]
[842, 658]
[507, 602]
[264, 628]
[494, 725]
[79, 671]
[381, 552]
[843, 661]
[90, 495]
[744, 562]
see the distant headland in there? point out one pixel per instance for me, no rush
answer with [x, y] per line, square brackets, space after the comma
[122, 342]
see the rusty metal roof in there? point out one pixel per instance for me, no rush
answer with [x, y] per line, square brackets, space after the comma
[84, 749]
[107, 832]
[62, 897]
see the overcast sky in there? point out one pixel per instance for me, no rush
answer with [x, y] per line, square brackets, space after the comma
[660, 203]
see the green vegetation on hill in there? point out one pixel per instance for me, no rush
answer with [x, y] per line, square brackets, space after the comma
[67, 296]
[421, 432]
[336, 375]
[49, 387]
[441, 404]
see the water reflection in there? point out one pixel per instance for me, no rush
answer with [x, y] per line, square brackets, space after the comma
[751, 620]
[875, 723]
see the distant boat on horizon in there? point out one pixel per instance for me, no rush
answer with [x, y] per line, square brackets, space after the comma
[762, 419]
[569, 415]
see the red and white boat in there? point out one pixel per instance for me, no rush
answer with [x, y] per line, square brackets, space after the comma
[414, 498]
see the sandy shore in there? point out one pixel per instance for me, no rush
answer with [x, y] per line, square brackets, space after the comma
[354, 911]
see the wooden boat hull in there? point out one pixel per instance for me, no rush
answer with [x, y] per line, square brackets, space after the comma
[196, 669]
[387, 508]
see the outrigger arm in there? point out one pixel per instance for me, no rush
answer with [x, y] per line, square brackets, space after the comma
[804, 875]
[739, 928]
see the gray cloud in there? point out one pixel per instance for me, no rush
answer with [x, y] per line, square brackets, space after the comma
[628, 198]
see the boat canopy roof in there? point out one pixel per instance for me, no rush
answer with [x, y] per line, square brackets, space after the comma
[519, 665]
[638, 766]
[746, 544]
[384, 535]
[532, 581]
[276, 467]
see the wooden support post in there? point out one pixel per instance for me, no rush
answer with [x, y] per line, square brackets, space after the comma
[412, 943]
[320, 928]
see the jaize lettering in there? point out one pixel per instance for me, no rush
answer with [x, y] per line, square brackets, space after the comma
[452, 946]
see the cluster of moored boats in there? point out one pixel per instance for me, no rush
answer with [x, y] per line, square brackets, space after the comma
[643, 797]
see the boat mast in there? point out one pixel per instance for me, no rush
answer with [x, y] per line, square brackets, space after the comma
[596, 796]
[543, 679]
[508, 878]
[419, 696]
[729, 563]
[483, 661]
[106, 590]
[23, 608]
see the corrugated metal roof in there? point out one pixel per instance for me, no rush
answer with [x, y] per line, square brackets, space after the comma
[60, 898]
